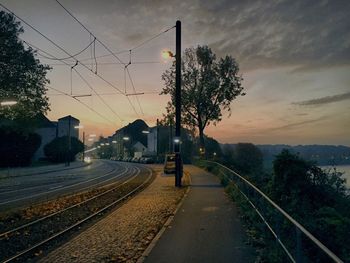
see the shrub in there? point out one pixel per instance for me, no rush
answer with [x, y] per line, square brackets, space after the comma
[57, 150]
[17, 148]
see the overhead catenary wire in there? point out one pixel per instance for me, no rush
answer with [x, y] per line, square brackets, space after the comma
[73, 68]
[92, 44]
[76, 19]
[59, 47]
[62, 49]
[135, 47]
[111, 52]
[133, 87]
[106, 63]
[89, 85]
[87, 106]
[77, 54]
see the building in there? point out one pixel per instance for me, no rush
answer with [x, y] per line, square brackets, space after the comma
[49, 130]
[152, 141]
[66, 123]
[139, 147]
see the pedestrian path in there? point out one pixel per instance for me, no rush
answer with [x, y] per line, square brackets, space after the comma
[205, 229]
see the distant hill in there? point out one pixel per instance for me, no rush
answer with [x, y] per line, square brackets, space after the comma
[322, 154]
[134, 132]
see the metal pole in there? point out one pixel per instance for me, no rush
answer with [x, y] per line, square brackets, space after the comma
[178, 164]
[83, 146]
[69, 140]
[157, 141]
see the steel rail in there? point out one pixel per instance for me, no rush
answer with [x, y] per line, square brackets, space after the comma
[72, 206]
[60, 188]
[81, 221]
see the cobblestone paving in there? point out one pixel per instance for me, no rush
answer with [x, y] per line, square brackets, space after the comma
[124, 234]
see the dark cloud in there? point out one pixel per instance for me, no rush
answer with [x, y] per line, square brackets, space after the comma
[297, 124]
[261, 33]
[324, 100]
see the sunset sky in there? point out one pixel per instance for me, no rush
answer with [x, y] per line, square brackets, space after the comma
[294, 57]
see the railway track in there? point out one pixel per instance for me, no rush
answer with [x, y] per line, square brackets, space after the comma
[49, 192]
[30, 239]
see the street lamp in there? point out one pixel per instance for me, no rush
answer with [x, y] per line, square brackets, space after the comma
[82, 127]
[125, 139]
[145, 132]
[166, 54]
[8, 103]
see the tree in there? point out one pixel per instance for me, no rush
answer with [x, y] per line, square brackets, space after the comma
[248, 160]
[17, 148]
[57, 149]
[22, 77]
[317, 198]
[208, 88]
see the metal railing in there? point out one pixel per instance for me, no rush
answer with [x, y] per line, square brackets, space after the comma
[278, 222]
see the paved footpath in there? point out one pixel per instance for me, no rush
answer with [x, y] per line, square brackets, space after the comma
[205, 229]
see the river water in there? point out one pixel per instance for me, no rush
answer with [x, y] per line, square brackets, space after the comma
[345, 169]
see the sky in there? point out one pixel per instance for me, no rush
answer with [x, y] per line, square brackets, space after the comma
[294, 57]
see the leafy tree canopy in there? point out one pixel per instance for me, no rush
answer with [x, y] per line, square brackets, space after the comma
[17, 148]
[209, 85]
[57, 149]
[22, 77]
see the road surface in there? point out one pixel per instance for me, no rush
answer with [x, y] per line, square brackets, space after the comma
[29, 189]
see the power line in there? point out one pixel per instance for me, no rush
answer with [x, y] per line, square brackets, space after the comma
[66, 94]
[135, 47]
[106, 63]
[151, 38]
[77, 54]
[76, 19]
[59, 47]
[73, 68]
[104, 102]
[133, 86]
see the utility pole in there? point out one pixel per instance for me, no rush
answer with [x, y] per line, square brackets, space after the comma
[83, 146]
[69, 140]
[178, 163]
[157, 140]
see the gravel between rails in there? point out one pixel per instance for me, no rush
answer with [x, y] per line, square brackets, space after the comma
[124, 234]
[27, 237]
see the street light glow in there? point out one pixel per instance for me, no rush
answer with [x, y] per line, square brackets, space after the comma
[79, 127]
[176, 140]
[166, 54]
[107, 143]
[102, 144]
[8, 103]
[126, 138]
[146, 132]
[114, 141]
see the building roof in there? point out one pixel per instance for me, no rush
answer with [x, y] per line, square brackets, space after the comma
[41, 121]
[67, 118]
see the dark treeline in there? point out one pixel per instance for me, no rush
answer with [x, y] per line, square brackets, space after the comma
[322, 154]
